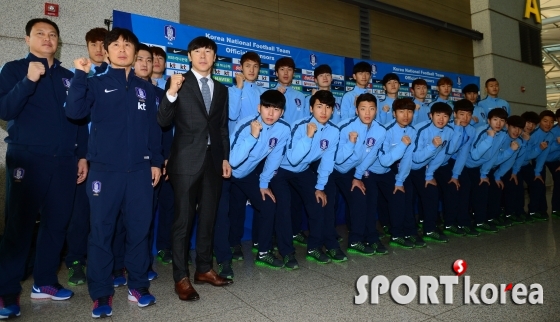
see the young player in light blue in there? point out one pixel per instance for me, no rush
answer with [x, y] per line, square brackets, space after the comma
[362, 76]
[323, 80]
[360, 139]
[419, 91]
[492, 100]
[433, 137]
[295, 105]
[553, 164]
[391, 84]
[478, 116]
[391, 170]
[257, 149]
[306, 167]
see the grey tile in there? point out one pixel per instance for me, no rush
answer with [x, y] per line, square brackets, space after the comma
[550, 283]
[332, 303]
[241, 314]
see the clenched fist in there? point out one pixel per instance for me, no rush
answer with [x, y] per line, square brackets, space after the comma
[386, 108]
[543, 145]
[83, 64]
[281, 89]
[525, 136]
[475, 119]
[491, 132]
[406, 139]
[353, 137]
[239, 79]
[514, 145]
[311, 129]
[417, 107]
[313, 91]
[175, 83]
[256, 128]
[437, 141]
[35, 70]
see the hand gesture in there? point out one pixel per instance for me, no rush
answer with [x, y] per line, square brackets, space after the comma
[417, 107]
[514, 145]
[35, 70]
[358, 184]
[256, 128]
[543, 145]
[456, 182]
[437, 141]
[267, 192]
[156, 174]
[431, 181]
[175, 83]
[83, 64]
[514, 178]
[406, 140]
[500, 184]
[398, 188]
[321, 197]
[311, 129]
[226, 169]
[475, 119]
[491, 132]
[82, 170]
[353, 137]
[539, 178]
[281, 89]
[484, 180]
[239, 79]
[386, 108]
[525, 136]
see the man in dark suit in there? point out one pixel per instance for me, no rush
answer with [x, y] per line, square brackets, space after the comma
[198, 106]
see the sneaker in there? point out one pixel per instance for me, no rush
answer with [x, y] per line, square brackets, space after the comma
[527, 218]
[487, 226]
[54, 292]
[237, 253]
[471, 231]
[318, 256]
[290, 261]
[9, 306]
[268, 259]
[503, 222]
[402, 242]
[337, 255]
[165, 256]
[360, 248]
[152, 275]
[142, 296]
[455, 230]
[225, 270]
[255, 247]
[300, 238]
[378, 247]
[339, 238]
[102, 307]
[417, 240]
[436, 236]
[76, 274]
[539, 216]
[118, 277]
[515, 219]
[555, 213]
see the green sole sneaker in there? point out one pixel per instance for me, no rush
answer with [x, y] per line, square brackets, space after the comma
[337, 255]
[361, 249]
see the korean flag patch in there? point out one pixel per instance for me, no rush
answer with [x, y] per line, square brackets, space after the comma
[272, 143]
[298, 102]
[96, 187]
[370, 142]
[19, 173]
[324, 144]
[66, 82]
[140, 93]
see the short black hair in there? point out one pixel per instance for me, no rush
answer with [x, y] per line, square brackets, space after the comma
[366, 97]
[419, 81]
[284, 62]
[96, 34]
[273, 98]
[498, 112]
[531, 116]
[546, 113]
[390, 76]
[444, 81]
[252, 56]
[361, 67]
[490, 80]
[35, 21]
[463, 105]
[145, 47]
[322, 69]
[558, 112]
[470, 88]
[325, 97]
[516, 120]
[440, 107]
[404, 104]
[126, 35]
[202, 42]
[158, 51]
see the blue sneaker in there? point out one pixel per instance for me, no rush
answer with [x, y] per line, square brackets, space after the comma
[118, 277]
[9, 306]
[102, 307]
[142, 296]
[54, 292]
[152, 275]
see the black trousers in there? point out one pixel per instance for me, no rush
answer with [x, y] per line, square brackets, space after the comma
[202, 189]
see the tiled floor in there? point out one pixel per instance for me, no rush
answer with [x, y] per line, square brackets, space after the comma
[527, 254]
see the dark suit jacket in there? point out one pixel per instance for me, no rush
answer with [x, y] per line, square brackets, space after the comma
[193, 124]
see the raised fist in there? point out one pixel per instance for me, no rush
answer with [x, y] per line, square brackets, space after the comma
[406, 139]
[437, 141]
[475, 119]
[175, 83]
[353, 137]
[491, 132]
[514, 145]
[35, 70]
[417, 107]
[83, 64]
[543, 145]
[256, 128]
[239, 79]
[525, 136]
[311, 129]
[386, 108]
[281, 89]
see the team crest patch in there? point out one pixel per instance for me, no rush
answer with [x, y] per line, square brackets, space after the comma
[366, 174]
[483, 115]
[298, 102]
[141, 93]
[272, 143]
[19, 173]
[443, 144]
[169, 32]
[370, 142]
[96, 187]
[373, 69]
[313, 60]
[337, 106]
[66, 82]
[324, 144]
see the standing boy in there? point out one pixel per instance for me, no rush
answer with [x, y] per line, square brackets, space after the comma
[419, 90]
[478, 116]
[492, 100]
[391, 84]
[362, 76]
